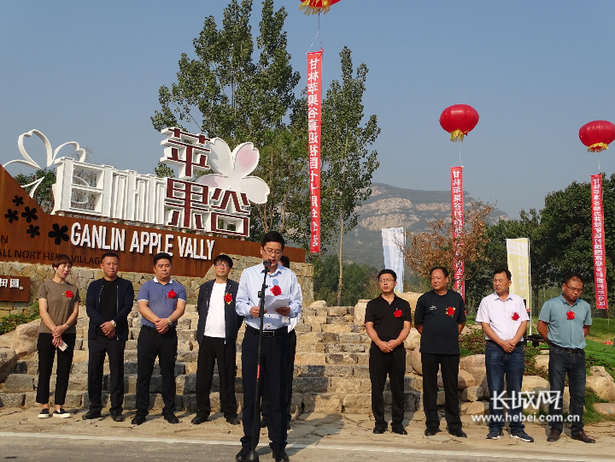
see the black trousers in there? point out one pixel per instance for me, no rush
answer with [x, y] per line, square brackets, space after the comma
[150, 345]
[46, 357]
[211, 350]
[392, 364]
[450, 379]
[265, 406]
[98, 348]
[274, 365]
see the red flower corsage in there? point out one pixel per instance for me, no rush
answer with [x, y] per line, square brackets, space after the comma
[172, 294]
[397, 313]
[275, 290]
[69, 294]
[450, 311]
[570, 315]
[515, 316]
[228, 298]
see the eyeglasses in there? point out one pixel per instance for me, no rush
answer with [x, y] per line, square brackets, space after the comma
[387, 280]
[273, 252]
[576, 291]
[222, 264]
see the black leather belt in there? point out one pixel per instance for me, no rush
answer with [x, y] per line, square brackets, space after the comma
[568, 350]
[153, 329]
[268, 333]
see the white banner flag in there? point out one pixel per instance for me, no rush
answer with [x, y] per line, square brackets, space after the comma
[518, 251]
[393, 239]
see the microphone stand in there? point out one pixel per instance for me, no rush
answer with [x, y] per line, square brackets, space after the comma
[256, 426]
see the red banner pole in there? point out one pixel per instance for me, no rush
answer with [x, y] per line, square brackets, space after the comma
[598, 243]
[457, 217]
[314, 92]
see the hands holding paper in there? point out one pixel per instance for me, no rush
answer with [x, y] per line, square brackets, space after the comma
[277, 305]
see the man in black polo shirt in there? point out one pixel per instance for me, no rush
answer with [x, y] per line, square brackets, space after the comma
[108, 304]
[388, 320]
[440, 317]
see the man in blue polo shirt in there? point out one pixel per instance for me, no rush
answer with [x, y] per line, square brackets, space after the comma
[564, 322]
[162, 302]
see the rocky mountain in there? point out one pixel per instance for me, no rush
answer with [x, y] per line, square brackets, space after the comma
[389, 207]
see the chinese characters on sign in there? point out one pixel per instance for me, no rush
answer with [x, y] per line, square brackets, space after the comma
[457, 216]
[106, 192]
[14, 288]
[598, 242]
[314, 120]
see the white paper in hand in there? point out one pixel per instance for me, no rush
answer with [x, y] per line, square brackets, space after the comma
[271, 303]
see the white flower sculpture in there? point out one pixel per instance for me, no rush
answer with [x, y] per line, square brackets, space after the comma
[52, 156]
[233, 170]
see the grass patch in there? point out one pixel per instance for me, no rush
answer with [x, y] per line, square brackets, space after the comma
[601, 330]
[599, 354]
[472, 343]
[590, 415]
[530, 363]
[10, 322]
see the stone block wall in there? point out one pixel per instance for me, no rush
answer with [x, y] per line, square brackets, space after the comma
[82, 277]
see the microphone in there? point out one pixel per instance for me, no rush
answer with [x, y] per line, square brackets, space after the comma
[266, 264]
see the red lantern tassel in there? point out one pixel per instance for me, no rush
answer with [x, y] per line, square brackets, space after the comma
[597, 147]
[309, 9]
[457, 135]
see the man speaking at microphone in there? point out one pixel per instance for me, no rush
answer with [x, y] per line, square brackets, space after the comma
[282, 285]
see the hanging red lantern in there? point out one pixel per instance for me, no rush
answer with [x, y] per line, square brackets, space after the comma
[597, 135]
[459, 120]
[316, 6]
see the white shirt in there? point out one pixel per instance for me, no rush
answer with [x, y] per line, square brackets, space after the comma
[247, 296]
[215, 325]
[499, 314]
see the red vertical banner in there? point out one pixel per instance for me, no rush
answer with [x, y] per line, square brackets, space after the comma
[314, 92]
[598, 243]
[457, 208]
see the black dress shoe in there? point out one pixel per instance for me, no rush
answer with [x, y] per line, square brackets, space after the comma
[171, 418]
[430, 431]
[553, 436]
[138, 419]
[264, 422]
[233, 420]
[582, 436]
[243, 454]
[199, 419]
[117, 417]
[380, 428]
[399, 429]
[280, 455]
[91, 415]
[458, 432]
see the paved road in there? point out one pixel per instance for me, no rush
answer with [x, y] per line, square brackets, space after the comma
[51, 447]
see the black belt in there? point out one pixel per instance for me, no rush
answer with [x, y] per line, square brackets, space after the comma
[268, 333]
[568, 350]
[153, 329]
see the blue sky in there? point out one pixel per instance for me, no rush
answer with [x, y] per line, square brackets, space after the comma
[536, 71]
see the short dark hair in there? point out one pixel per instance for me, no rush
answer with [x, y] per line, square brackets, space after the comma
[441, 268]
[567, 277]
[285, 261]
[110, 255]
[224, 258]
[503, 270]
[272, 236]
[60, 259]
[388, 271]
[163, 256]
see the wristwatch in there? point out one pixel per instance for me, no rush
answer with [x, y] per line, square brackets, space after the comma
[113, 323]
[170, 322]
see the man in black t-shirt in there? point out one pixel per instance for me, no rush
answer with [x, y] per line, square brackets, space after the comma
[109, 301]
[388, 320]
[440, 317]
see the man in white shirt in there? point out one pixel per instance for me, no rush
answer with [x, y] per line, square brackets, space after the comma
[282, 285]
[504, 319]
[217, 335]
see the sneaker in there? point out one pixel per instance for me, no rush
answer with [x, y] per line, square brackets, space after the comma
[62, 414]
[494, 435]
[521, 435]
[44, 414]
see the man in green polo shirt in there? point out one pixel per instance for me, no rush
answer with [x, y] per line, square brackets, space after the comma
[564, 322]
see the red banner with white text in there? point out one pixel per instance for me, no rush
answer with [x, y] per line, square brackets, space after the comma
[457, 208]
[314, 92]
[598, 243]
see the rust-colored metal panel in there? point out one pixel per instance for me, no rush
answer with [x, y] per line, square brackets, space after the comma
[27, 234]
[14, 289]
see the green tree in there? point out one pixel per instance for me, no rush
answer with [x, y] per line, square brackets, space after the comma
[359, 281]
[164, 171]
[347, 163]
[43, 194]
